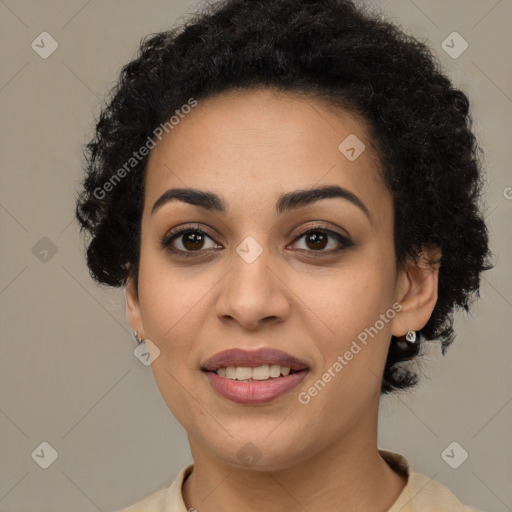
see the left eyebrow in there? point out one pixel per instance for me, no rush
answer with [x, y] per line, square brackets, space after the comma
[300, 198]
[286, 202]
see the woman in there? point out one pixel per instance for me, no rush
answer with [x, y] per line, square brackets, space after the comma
[288, 191]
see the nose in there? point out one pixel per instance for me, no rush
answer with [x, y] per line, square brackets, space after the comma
[253, 294]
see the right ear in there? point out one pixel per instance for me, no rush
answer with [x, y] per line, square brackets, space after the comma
[133, 314]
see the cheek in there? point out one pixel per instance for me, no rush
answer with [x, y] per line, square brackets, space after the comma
[171, 298]
[350, 313]
[345, 301]
[173, 303]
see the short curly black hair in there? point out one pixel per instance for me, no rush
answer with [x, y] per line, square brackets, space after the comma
[329, 49]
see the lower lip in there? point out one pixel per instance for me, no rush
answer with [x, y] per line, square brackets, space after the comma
[254, 392]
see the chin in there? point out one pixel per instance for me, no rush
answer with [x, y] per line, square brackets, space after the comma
[260, 453]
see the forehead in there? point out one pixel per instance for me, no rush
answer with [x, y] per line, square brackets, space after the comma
[258, 144]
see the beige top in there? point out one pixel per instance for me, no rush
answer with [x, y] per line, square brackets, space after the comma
[421, 494]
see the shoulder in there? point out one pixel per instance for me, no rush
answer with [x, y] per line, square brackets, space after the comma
[422, 493]
[164, 500]
[426, 494]
[153, 503]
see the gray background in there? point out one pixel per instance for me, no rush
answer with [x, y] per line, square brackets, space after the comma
[68, 375]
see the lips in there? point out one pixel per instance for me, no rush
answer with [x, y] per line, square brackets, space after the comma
[253, 358]
[255, 392]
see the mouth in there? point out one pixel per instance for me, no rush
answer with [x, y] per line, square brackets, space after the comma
[254, 376]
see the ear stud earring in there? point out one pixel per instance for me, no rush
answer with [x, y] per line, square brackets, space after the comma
[137, 339]
[411, 336]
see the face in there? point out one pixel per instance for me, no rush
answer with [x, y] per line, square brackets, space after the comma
[248, 277]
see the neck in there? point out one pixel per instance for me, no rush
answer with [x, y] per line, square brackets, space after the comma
[348, 475]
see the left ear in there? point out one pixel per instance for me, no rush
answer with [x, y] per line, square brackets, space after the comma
[417, 291]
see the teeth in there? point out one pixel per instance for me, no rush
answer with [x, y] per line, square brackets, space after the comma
[257, 373]
[243, 373]
[261, 372]
[275, 370]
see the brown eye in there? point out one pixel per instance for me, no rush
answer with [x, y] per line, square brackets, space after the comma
[318, 239]
[186, 241]
[192, 240]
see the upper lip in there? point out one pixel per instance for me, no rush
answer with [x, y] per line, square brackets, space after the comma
[252, 358]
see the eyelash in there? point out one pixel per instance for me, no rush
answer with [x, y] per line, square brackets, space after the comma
[170, 237]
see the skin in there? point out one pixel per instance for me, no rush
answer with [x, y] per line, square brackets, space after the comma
[250, 147]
